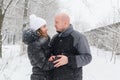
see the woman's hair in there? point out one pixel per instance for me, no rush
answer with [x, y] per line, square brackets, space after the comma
[41, 33]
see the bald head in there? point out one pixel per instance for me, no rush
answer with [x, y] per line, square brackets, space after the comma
[62, 21]
[64, 17]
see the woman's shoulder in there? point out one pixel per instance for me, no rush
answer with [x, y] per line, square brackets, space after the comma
[29, 36]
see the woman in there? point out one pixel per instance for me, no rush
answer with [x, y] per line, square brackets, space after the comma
[37, 40]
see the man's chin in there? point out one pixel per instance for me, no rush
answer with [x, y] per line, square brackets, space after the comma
[58, 31]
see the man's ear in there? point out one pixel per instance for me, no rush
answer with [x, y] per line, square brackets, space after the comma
[65, 23]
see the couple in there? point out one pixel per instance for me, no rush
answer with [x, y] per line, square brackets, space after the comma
[61, 58]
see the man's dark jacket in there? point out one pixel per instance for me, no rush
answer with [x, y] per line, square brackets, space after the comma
[75, 46]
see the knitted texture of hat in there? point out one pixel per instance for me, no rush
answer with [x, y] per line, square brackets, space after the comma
[36, 22]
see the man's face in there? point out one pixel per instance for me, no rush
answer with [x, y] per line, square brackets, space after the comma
[59, 24]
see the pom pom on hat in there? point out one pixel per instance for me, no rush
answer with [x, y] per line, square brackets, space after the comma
[36, 22]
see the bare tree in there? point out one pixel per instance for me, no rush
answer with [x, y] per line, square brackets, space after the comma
[25, 14]
[25, 22]
[2, 16]
[1, 22]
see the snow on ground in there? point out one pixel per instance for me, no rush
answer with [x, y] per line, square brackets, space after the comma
[14, 66]
[101, 67]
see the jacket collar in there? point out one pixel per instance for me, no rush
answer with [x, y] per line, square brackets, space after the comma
[66, 32]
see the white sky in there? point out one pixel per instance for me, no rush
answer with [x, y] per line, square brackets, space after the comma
[92, 13]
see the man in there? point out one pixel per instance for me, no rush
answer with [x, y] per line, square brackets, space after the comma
[71, 49]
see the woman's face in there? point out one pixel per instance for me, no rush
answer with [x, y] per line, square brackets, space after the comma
[44, 29]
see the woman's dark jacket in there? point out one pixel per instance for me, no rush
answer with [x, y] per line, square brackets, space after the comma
[38, 53]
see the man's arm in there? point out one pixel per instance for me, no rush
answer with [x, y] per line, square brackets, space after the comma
[84, 56]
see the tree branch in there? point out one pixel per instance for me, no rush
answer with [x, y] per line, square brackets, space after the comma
[7, 7]
[42, 3]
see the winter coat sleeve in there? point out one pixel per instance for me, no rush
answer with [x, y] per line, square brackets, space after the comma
[36, 54]
[47, 66]
[41, 62]
[29, 36]
[84, 55]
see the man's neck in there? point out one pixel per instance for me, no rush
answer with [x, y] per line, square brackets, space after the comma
[59, 32]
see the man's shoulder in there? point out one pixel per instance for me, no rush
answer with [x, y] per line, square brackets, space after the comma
[77, 34]
[78, 37]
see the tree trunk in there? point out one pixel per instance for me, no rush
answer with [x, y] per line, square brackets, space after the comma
[25, 14]
[1, 23]
[2, 15]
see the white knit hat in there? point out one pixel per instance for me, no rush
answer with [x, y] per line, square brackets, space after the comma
[36, 22]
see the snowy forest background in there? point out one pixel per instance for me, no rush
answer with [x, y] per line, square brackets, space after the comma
[99, 20]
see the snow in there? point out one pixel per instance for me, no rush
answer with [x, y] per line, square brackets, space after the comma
[14, 66]
[101, 68]
[85, 15]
